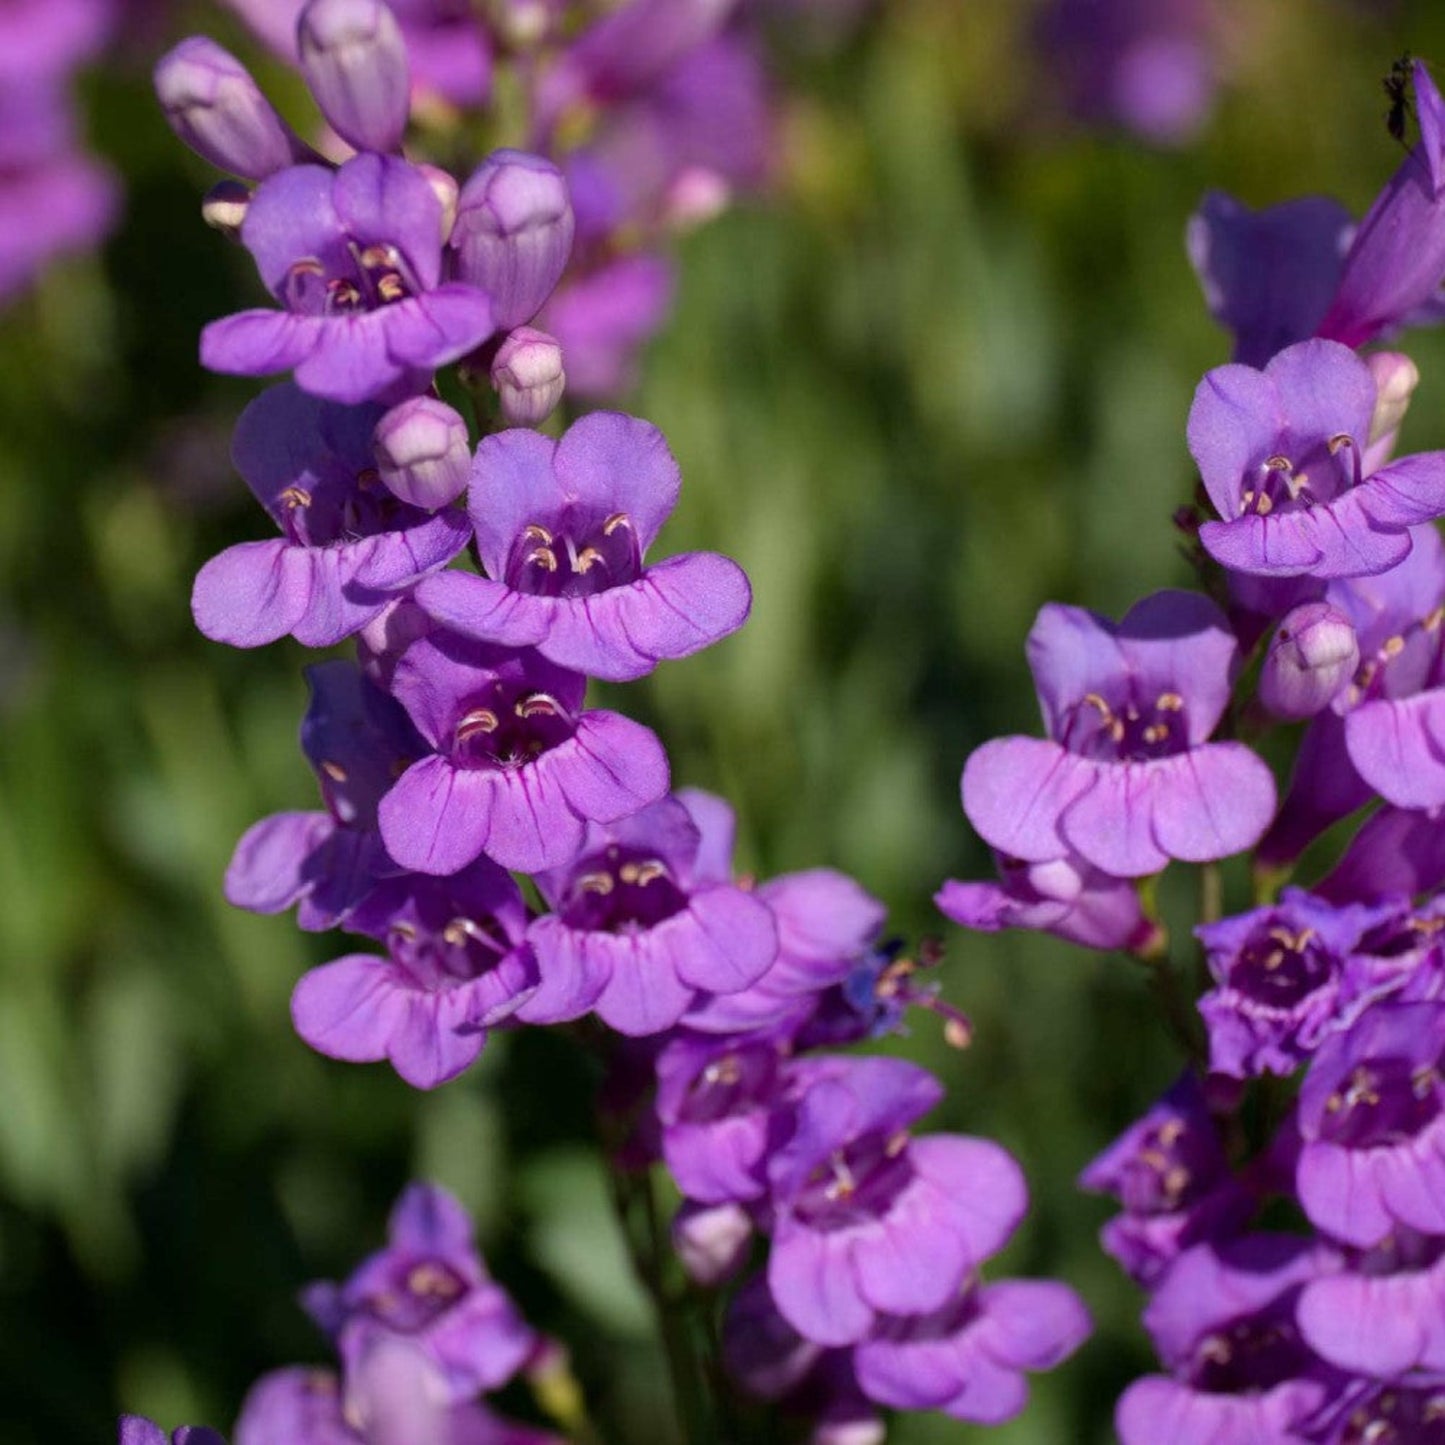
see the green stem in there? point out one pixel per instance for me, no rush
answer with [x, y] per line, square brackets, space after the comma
[1178, 1008]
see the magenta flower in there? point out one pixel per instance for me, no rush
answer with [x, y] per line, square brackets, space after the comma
[631, 913]
[355, 259]
[1126, 779]
[357, 739]
[1372, 1122]
[457, 963]
[1223, 1322]
[562, 528]
[347, 545]
[430, 1288]
[968, 1358]
[518, 769]
[1282, 455]
[869, 1222]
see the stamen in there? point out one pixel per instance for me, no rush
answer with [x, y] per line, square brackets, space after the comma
[616, 520]
[598, 883]
[428, 1279]
[543, 557]
[334, 771]
[587, 558]
[478, 722]
[1156, 733]
[294, 497]
[1339, 442]
[538, 704]
[1170, 702]
[1392, 647]
[391, 288]
[459, 930]
[404, 930]
[534, 532]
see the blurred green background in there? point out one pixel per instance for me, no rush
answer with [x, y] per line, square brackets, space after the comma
[938, 378]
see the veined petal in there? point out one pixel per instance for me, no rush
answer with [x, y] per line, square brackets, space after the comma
[253, 593]
[1212, 801]
[437, 818]
[350, 1009]
[1016, 788]
[1396, 745]
[490, 611]
[259, 342]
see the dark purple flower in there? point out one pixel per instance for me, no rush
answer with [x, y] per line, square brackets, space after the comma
[355, 259]
[968, 1357]
[1145, 64]
[1398, 853]
[1372, 1121]
[1285, 981]
[562, 529]
[1383, 1314]
[1063, 896]
[354, 60]
[356, 738]
[1396, 260]
[1170, 1173]
[137, 1430]
[513, 233]
[518, 768]
[868, 1221]
[1126, 778]
[1241, 1373]
[429, 1288]
[1281, 454]
[1268, 276]
[1397, 1412]
[457, 963]
[217, 109]
[347, 544]
[631, 913]
[604, 317]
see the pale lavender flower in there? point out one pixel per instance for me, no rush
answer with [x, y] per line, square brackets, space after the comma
[355, 63]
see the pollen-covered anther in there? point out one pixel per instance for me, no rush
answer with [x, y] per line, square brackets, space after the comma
[391, 288]
[293, 497]
[334, 771]
[538, 704]
[1392, 647]
[599, 883]
[543, 557]
[476, 723]
[896, 1144]
[1156, 732]
[460, 930]
[1424, 1079]
[343, 294]
[726, 1070]
[843, 1186]
[586, 559]
[616, 520]
[1339, 442]
[428, 1279]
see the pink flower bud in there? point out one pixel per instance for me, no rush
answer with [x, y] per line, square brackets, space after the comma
[711, 1240]
[423, 452]
[528, 377]
[1313, 655]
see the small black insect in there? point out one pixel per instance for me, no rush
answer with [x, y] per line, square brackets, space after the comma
[1397, 86]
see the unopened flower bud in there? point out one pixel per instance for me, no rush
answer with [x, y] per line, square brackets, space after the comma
[1313, 655]
[711, 1240]
[528, 377]
[1396, 378]
[225, 206]
[444, 188]
[422, 452]
[217, 109]
[513, 233]
[354, 60]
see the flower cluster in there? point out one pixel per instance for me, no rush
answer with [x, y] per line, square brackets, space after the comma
[1324, 551]
[455, 749]
[54, 198]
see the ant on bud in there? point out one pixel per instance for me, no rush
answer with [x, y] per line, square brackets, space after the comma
[1396, 86]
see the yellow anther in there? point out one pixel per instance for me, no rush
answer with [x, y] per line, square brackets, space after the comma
[1264, 504]
[587, 558]
[1170, 702]
[616, 520]
[377, 254]
[1433, 620]
[295, 497]
[598, 883]
[334, 771]
[535, 532]
[459, 930]
[1156, 733]
[649, 872]
[479, 721]
[896, 1144]
[1392, 647]
[403, 930]
[543, 557]
[1278, 463]
[1339, 442]
[391, 287]
[429, 1279]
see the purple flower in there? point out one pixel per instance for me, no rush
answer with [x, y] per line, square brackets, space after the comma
[518, 768]
[1372, 1121]
[1314, 653]
[355, 259]
[1126, 779]
[1396, 260]
[356, 737]
[562, 528]
[137, 1430]
[604, 317]
[67, 204]
[527, 376]
[631, 914]
[1397, 1412]
[1223, 1322]
[1398, 853]
[1383, 1315]
[429, 1288]
[513, 233]
[303, 1406]
[347, 545]
[869, 1222]
[1268, 276]
[457, 963]
[423, 452]
[725, 1104]
[1170, 1173]
[354, 59]
[968, 1358]
[1281, 454]
[1063, 896]
[1285, 981]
